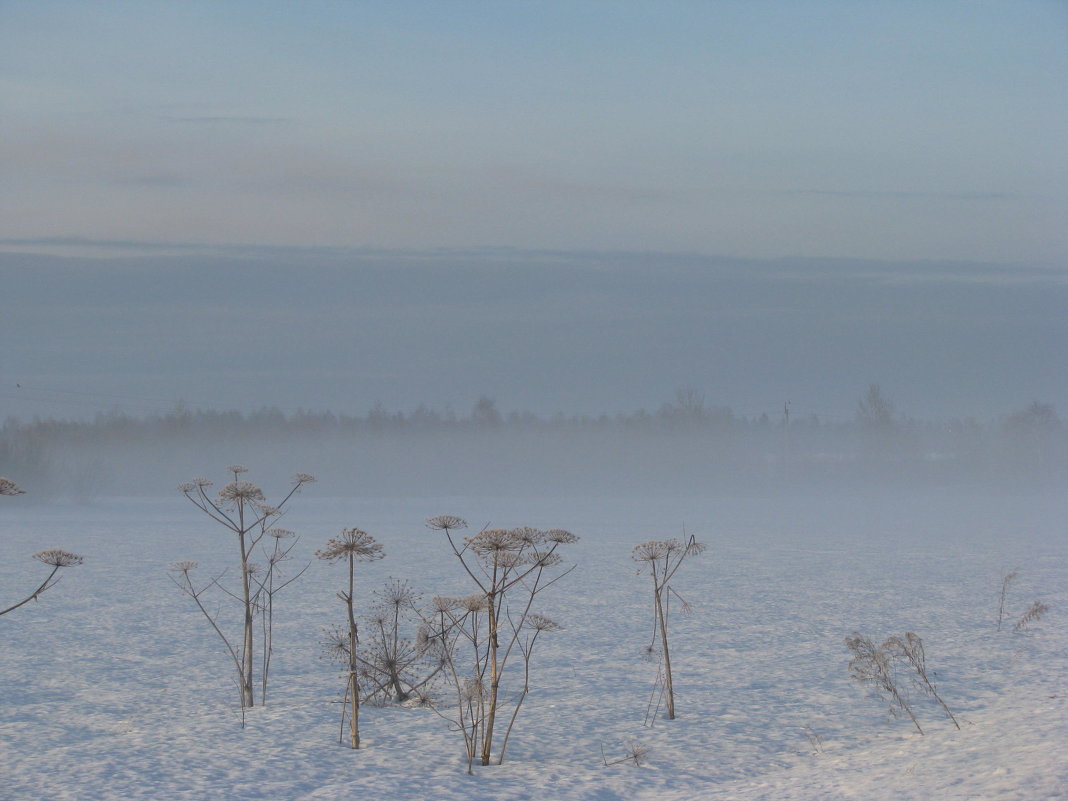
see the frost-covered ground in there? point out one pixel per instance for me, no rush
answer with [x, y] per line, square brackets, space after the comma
[112, 686]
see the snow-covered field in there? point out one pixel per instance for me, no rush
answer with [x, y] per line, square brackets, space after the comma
[113, 687]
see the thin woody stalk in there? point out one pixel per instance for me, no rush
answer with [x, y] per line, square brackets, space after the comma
[353, 545]
[242, 509]
[664, 558]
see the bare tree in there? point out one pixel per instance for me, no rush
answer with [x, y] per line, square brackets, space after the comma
[663, 558]
[479, 634]
[908, 650]
[875, 411]
[242, 508]
[874, 666]
[55, 557]
[351, 546]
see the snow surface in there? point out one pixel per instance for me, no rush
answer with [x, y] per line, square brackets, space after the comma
[113, 687]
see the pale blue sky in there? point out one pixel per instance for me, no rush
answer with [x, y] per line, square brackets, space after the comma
[757, 129]
[323, 205]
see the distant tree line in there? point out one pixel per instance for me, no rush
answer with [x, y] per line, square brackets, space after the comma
[684, 443]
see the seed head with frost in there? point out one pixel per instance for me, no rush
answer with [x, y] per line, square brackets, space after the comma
[397, 593]
[541, 623]
[58, 558]
[446, 523]
[544, 558]
[442, 604]
[474, 603]
[649, 551]
[560, 536]
[354, 542]
[494, 540]
[241, 491]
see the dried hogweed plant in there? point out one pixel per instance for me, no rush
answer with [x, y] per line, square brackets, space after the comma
[663, 558]
[242, 508]
[352, 545]
[478, 635]
[397, 667]
[56, 558]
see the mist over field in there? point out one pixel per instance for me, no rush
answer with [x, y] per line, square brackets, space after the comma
[521, 372]
[683, 448]
[547, 333]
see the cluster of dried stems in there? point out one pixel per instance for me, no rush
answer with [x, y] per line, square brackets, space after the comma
[55, 557]
[1034, 612]
[663, 558]
[242, 508]
[879, 665]
[477, 635]
[396, 667]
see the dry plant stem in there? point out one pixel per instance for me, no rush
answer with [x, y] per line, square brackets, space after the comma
[910, 650]
[44, 585]
[186, 585]
[1033, 614]
[353, 545]
[1005, 582]
[354, 683]
[662, 619]
[241, 508]
[871, 665]
[451, 630]
[664, 558]
[502, 563]
[55, 557]
[527, 649]
[47, 584]
[264, 595]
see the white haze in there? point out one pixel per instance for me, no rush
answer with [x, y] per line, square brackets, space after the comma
[571, 333]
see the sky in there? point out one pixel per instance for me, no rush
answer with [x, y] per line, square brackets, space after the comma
[729, 172]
